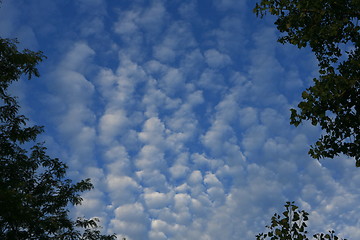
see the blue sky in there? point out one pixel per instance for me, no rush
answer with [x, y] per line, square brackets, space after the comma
[179, 113]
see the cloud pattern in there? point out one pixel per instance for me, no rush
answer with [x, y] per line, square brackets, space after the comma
[178, 111]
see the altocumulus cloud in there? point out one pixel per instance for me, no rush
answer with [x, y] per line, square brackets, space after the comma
[178, 111]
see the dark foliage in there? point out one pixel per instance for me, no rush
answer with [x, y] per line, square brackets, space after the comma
[34, 192]
[331, 29]
[292, 226]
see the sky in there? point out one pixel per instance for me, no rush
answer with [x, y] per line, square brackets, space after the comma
[178, 111]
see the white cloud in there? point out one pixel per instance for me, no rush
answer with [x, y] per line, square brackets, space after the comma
[183, 122]
[172, 81]
[70, 103]
[211, 180]
[217, 195]
[232, 35]
[93, 201]
[156, 200]
[203, 162]
[164, 229]
[154, 17]
[130, 220]
[118, 159]
[9, 12]
[182, 202]
[153, 132]
[210, 79]
[221, 139]
[76, 59]
[216, 136]
[176, 40]
[265, 66]
[126, 23]
[192, 63]
[164, 124]
[155, 99]
[153, 179]
[195, 178]
[122, 189]
[248, 116]
[150, 158]
[254, 138]
[215, 59]
[179, 171]
[112, 124]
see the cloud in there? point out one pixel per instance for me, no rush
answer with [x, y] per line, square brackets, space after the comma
[188, 10]
[220, 139]
[195, 178]
[212, 181]
[179, 114]
[122, 189]
[216, 59]
[150, 157]
[232, 35]
[193, 62]
[248, 116]
[118, 160]
[157, 200]
[179, 171]
[211, 80]
[203, 162]
[71, 94]
[131, 221]
[153, 133]
[136, 24]
[77, 57]
[126, 23]
[13, 25]
[172, 81]
[153, 18]
[155, 99]
[112, 124]
[153, 179]
[9, 13]
[177, 39]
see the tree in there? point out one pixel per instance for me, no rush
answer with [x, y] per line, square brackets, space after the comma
[330, 28]
[292, 226]
[34, 193]
[92, 231]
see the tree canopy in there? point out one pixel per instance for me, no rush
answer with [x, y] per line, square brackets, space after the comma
[331, 29]
[34, 190]
[291, 225]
